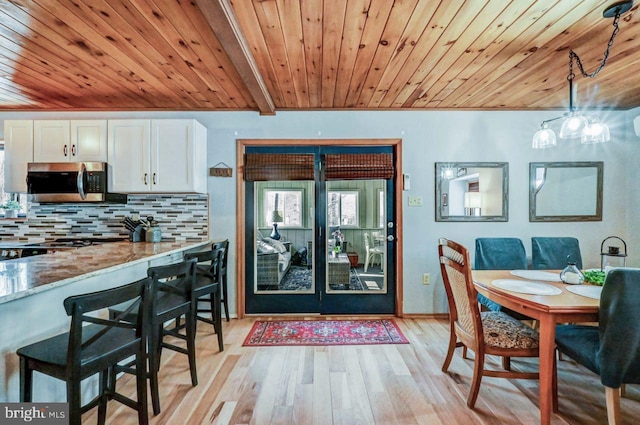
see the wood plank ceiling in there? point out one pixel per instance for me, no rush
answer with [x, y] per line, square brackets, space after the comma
[271, 55]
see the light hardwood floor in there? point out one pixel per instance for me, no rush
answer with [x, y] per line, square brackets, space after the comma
[372, 384]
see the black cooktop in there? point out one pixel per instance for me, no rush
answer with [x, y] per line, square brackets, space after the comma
[76, 242]
[88, 241]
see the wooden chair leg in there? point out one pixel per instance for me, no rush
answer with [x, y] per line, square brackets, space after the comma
[104, 387]
[191, 346]
[153, 365]
[464, 352]
[141, 389]
[506, 363]
[225, 297]
[623, 390]
[26, 381]
[478, 367]
[75, 402]
[613, 405]
[216, 316]
[450, 351]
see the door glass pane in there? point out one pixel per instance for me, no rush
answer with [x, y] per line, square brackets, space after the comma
[355, 237]
[283, 243]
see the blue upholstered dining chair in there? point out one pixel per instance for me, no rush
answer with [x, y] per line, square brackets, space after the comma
[612, 350]
[498, 254]
[553, 253]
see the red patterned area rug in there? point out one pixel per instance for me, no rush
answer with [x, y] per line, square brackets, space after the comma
[324, 332]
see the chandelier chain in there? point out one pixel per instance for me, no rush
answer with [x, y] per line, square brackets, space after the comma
[573, 55]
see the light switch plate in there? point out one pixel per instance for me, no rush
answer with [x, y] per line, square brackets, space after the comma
[415, 201]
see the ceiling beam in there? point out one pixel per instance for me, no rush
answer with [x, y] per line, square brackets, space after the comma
[222, 21]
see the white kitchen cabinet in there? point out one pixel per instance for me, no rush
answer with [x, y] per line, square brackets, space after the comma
[70, 141]
[161, 156]
[18, 151]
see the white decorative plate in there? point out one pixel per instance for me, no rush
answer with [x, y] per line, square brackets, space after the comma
[526, 287]
[536, 275]
[590, 291]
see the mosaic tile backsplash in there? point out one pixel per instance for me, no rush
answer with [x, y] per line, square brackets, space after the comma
[181, 217]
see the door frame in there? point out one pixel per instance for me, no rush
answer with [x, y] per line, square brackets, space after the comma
[242, 144]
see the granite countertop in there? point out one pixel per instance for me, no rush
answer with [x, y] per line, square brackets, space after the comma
[27, 276]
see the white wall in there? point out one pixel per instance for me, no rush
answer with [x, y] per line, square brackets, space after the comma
[429, 137]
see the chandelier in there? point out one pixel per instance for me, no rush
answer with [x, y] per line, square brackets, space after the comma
[588, 128]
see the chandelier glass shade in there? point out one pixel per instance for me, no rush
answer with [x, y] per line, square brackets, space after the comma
[544, 138]
[575, 124]
[596, 132]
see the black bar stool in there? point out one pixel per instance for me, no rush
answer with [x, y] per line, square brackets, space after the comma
[95, 348]
[207, 288]
[223, 282]
[171, 298]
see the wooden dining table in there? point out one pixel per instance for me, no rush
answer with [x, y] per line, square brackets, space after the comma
[549, 310]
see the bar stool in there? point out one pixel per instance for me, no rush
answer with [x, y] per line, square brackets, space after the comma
[223, 282]
[94, 348]
[172, 298]
[207, 288]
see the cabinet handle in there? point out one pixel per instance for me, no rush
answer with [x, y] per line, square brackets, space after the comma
[146, 181]
[73, 150]
[65, 150]
[155, 180]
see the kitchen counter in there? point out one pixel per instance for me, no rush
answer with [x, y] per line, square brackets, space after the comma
[23, 277]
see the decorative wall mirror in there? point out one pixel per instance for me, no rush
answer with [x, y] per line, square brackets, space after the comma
[472, 191]
[565, 191]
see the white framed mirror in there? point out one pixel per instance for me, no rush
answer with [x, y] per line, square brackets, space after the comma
[565, 191]
[472, 191]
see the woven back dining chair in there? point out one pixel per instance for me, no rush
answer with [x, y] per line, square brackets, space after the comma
[485, 333]
[611, 350]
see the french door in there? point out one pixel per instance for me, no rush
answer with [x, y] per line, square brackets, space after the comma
[321, 242]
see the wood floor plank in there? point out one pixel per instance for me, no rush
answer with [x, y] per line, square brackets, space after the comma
[321, 387]
[366, 384]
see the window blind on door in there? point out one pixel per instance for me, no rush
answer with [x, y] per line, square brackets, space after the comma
[278, 166]
[355, 166]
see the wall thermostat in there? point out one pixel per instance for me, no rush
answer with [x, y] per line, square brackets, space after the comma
[406, 182]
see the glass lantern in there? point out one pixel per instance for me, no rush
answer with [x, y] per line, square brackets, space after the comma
[615, 255]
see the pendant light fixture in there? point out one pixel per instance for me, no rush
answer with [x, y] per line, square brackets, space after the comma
[577, 125]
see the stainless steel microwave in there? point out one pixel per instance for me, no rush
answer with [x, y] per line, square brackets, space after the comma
[67, 182]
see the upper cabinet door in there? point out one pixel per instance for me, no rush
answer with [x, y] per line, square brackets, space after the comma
[89, 140]
[178, 156]
[51, 141]
[70, 141]
[18, 151]
[128, 156]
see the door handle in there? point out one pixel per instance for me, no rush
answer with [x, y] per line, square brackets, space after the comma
[146, 181]
[155, 180]
[73, 150]
[65, 150]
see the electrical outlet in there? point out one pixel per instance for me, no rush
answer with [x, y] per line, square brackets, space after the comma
[415, 201]
[426, 279]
